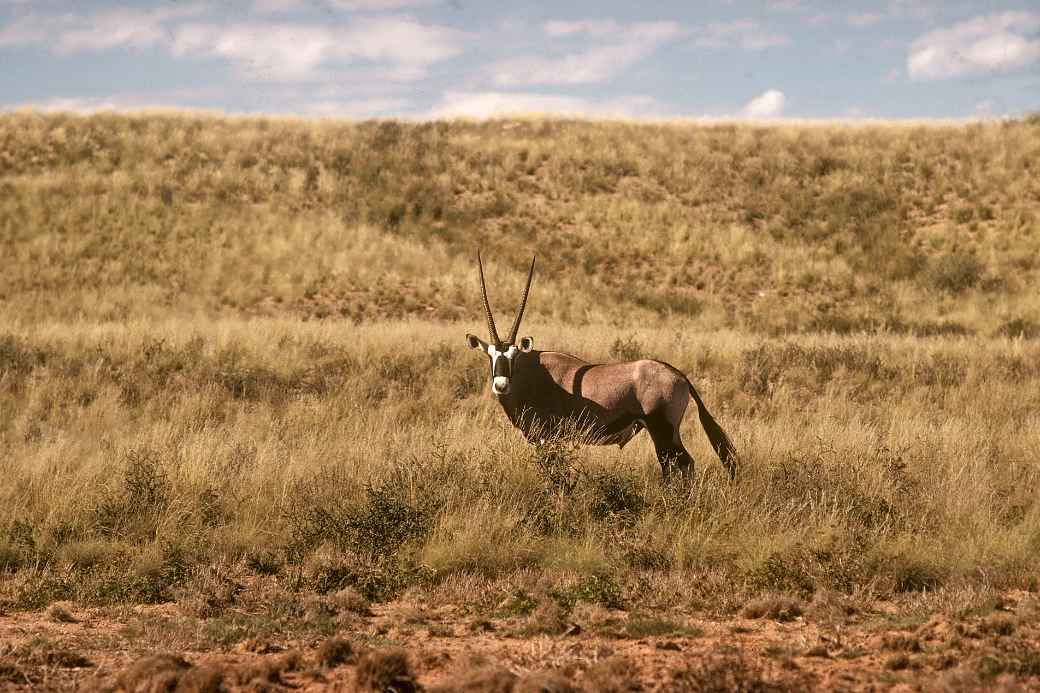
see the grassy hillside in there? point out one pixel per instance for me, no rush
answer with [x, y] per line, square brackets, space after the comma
[233, 374]
[909, 228]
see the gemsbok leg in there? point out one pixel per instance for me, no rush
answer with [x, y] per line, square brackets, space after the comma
[668, 445]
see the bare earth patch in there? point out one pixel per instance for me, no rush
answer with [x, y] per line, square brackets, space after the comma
[401, 647]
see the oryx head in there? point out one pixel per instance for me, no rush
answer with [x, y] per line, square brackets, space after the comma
[501, 352]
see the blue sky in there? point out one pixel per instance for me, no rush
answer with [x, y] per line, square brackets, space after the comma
[438, 58]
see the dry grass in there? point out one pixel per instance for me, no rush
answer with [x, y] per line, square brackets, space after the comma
[232, 367]
[177, 460]
[911, 229]
[386, 670]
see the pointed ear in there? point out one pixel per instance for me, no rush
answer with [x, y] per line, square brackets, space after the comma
[476, 342]
[526, 344]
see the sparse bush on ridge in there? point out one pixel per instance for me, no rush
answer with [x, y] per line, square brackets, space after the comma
[342, 221]
[957, 272]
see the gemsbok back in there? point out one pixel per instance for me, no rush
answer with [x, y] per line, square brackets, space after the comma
[545, 392]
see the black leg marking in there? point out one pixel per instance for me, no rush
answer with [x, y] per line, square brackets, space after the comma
[669, 447]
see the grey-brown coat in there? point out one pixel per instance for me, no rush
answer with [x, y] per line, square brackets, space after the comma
[544, 391]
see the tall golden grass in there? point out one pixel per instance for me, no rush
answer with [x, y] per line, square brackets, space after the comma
[239, 342]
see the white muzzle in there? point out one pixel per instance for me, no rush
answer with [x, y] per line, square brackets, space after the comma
[500, 385]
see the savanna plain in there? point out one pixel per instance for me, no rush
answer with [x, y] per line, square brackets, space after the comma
[243, 444]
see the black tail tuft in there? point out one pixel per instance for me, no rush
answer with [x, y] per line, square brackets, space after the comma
[721, 443]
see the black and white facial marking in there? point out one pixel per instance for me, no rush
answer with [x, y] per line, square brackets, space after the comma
[501, 368]
[501, 358]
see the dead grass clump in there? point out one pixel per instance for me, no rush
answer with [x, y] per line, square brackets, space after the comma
[481, 679]
[612, 675]
[210, 592]
[334, 652]
[898, 662]
[1001, 624]
[16, 674]
[261, 646]
[350, 600]
[723, 673]
[544, 682]
[160, 672]
[900, 642]
[42, 652]
[258, 673]
[964, 679]
[59, 612]
[644, 626]
[829, 605]
[207, 678]
[263, 562]
[778, 607]
[911, 573]
[549, 618]
[66, 659]
[1014, 656]
[386, 670]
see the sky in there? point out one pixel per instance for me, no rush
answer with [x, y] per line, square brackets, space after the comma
[421, 59]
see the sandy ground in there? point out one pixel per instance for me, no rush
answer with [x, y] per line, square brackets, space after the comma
[443, 648]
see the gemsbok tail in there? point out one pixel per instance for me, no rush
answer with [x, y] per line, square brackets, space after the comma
[719, 440]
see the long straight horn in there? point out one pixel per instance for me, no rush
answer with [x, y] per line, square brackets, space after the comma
[523, 304]
[492, 332]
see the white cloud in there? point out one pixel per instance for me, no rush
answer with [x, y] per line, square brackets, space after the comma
[768, 104]
[346, 108]
[102, 30]
[88, 105]
[989, 44]
[269, 50]
[352, 108]
[489, 104]
[594, 65]
[593, 27]
[293, 51]
[744, 33]
[601, 62]
[984, 108]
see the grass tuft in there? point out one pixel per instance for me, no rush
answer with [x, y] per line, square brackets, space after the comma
[386, 670]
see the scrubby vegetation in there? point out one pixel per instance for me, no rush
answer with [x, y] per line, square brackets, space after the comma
[917, 229]
[232, 369]
[321, 453]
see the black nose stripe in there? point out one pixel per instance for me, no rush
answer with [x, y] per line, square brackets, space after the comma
[501, 367]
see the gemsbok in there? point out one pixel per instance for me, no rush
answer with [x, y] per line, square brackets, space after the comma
[545, 392]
